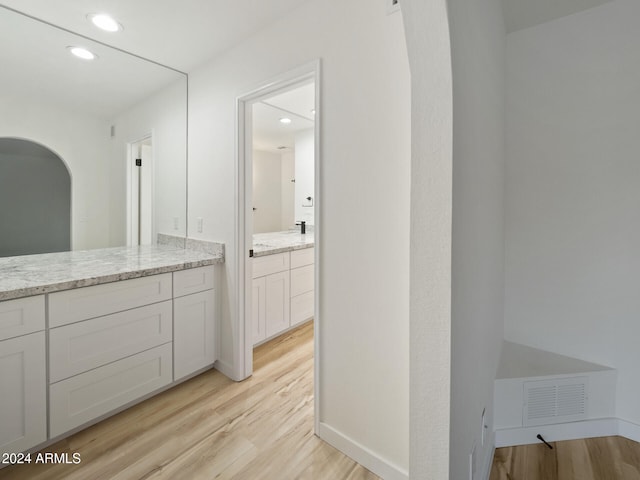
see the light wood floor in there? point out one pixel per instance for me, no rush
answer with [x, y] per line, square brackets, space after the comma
[607, 458]
[211, 427]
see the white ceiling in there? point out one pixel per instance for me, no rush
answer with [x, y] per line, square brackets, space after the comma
[269, 134]
[36, 65]
[520, 14]
[182, 34]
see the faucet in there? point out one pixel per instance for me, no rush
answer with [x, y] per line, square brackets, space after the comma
[303, 227]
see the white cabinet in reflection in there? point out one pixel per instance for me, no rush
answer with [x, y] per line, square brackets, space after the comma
[23, 416]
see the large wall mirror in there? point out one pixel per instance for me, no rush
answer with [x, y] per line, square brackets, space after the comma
[118, 126]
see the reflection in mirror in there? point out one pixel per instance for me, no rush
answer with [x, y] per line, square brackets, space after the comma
[283, 160]
[37, 186]
[98, 118]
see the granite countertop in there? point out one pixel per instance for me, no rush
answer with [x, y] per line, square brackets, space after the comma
[28, 275]
[279, 242]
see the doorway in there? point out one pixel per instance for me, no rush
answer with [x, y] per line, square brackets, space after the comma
[272, 107]
[140, 192]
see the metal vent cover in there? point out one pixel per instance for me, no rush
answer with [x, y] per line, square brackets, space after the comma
[558, 400]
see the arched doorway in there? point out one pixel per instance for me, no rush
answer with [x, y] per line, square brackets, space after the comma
[35, 199]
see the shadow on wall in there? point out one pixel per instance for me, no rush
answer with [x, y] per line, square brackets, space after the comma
[35, 199]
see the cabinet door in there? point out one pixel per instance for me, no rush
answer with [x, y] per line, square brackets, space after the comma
[194, 333]
[258, 309]
[23, 416]
[277, 303]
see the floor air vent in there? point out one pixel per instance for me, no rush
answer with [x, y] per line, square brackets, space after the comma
[555, 401]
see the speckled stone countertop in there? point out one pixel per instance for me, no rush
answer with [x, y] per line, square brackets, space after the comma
[279, 242]
[28, 275]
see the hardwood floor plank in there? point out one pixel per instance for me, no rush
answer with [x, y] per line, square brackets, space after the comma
[606, 458]
[213, 428]
[629, 458]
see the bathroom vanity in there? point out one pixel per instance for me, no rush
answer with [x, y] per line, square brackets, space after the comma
[86, 334]
[283, 282]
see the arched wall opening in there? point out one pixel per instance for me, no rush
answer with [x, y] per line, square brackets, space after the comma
[35, 199]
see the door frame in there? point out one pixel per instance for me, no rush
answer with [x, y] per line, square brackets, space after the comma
[243, 353]
[131, 156]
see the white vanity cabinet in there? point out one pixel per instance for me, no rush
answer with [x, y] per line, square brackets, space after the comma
[283, 292]
[23, 416]
[271, 295]
[110, 346]
[72, 355]
[194, 324]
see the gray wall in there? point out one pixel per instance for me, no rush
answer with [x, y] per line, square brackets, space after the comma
[35, 200]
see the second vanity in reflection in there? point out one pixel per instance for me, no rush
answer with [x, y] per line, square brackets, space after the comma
[86, 334]
[283, 282]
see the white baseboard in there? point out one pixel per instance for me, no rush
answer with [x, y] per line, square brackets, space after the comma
[629, 430]
[602, 427]
[226, 370]
[488, 464]
[361, 454]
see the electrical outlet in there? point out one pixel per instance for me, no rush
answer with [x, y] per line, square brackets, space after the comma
[176, 223]
[483, 426]
[200, 222]
[392, 6]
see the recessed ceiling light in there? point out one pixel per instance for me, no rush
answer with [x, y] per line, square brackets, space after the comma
[313, 112]
[82, 53]
[104, 22]
[285, 120]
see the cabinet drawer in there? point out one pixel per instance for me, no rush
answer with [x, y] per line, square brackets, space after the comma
[193, 280]
[89, 302]
[21, 316]
[300, 258]
[270, 264]
[302, 280]
[86, 345]
[301, 308]
[87, 396]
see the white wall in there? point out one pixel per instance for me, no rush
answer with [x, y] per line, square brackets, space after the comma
[82, 141]
[305, 154]
[364, 285]
[163, 115]
[267, 192]
[478, 52]
[573, 196]
[428, 44]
